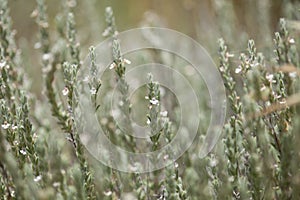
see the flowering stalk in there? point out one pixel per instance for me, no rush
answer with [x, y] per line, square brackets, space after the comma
[119, 66]
[234, 128]
[94, 82]
[153, 119]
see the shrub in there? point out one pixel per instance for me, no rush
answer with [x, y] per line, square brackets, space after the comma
[42, 156]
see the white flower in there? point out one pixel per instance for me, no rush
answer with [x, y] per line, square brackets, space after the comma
[282, 102]
[106, 32]
[263, 88]
[154, 101]
[34, 137]
[222, 69]
[46, 56]
[166, 157]
[14, 127]
[38, 178]
[128, 62]
[93, 91]
[148, 121]
[108, 193]
[5, 125]
[292, 41]
[56, 184]
[23, 152]
[112, 66]
[213, 162]
[176, 165]
[268, 103]
[164, 113]
[13, 193]
[229, 55]
[2, 64]
[65, 91]
[277, 96]
[238, 70]
[269, 77]
[121, 103]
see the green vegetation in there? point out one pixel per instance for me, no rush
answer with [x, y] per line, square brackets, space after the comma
[42, 156]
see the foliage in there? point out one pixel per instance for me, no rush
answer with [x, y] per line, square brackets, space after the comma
[42, 156]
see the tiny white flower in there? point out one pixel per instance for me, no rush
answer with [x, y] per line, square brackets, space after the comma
[34, 137]
[282, 102]
[106, 32]
[46, 56]
[23, 152]
[108, 193]
[238, 70]
[213, 162]
[148, 121]
[65, 91]
[38, 178]
[93, 91]
[146, 97]
[34, 13]
[14, 127]
[13, 193]
[5, 125]
[112, 66]
[176, 165]
[56, 184]
[222, 69]
[164, 113]
[269, 77]
[2, 63]
[292, 41]
[166, 157]
[154, 101]
[229, 55]
[277, 96]
[268, 103]
[128, 62]
[263, 88]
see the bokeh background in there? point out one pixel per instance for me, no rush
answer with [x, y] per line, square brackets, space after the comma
[204, 20]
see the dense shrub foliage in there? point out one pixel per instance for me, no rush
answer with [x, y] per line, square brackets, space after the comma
[42, 156]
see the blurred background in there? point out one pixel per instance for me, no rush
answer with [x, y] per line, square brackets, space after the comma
[204, 20]
[196, 18]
